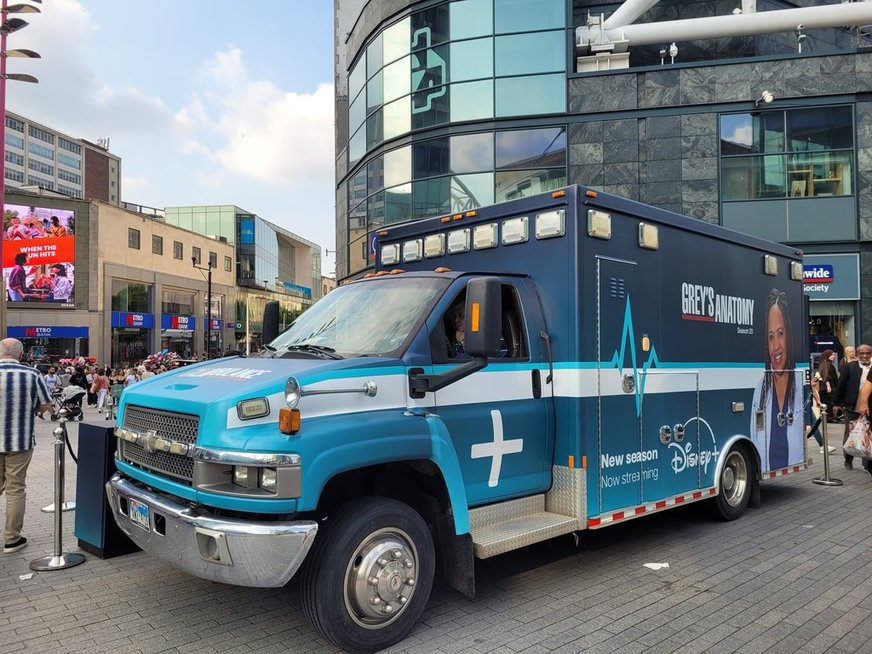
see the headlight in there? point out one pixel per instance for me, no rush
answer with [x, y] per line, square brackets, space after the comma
[240, 476]
[293, 392]
[268, 479]
[250, 409]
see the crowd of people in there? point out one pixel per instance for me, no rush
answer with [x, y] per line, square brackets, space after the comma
[96, 380]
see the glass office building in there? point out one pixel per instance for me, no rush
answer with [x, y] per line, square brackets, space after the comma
[447, 106]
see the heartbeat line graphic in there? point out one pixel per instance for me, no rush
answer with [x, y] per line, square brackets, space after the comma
[618, 359]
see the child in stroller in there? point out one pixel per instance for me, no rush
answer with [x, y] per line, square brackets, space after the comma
[69, 398]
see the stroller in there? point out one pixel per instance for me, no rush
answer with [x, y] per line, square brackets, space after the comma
[69, 398]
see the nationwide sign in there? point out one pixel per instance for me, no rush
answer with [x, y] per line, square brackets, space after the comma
[831, 276]
[820, 274]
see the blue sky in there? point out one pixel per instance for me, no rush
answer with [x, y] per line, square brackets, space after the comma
[205, 101]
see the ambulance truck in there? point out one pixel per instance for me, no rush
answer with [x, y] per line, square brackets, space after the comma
[506, 375]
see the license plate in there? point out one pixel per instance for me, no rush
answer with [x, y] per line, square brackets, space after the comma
[138, 513]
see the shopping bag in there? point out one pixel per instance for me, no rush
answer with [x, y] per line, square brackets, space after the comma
[859, 441]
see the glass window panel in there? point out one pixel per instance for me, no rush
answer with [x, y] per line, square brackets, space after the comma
[397, 118]
[356, 113]
[430, 158]
[524, 96]
[528, 15]
[531, 147]
[398, 166]
[431, 107]
[374, 129]
[472, 100]
[540, 52]
[470, 18]
[357, 188]
[398, 204]
[472, 152]
[431, 197]
[374, 56]
[357, 78]
[357, 254]
[397, 79]
[471, 59]
[375, 175]
[357, 219]
[356, 146]
[429, 27]
[429, 68]
[746, 178]
[749, 134]
[395, 41]
[375, 93]
[375, 210]
[472, 191]
[819, 174]
[821, 128]
[524, 183]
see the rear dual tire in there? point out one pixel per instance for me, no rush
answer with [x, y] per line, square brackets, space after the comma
[734, 484]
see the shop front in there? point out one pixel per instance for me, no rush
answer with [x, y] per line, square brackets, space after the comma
[832, 284]
[131, 337]
[50, 343]
[177, 334]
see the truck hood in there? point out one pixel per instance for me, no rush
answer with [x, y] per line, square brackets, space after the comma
[212, 389]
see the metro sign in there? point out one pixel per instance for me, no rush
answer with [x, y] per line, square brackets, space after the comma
[822, 274]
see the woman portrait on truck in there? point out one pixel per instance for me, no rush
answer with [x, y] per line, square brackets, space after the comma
[777, 411]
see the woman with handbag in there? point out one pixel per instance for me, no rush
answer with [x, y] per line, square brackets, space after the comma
[828, 378]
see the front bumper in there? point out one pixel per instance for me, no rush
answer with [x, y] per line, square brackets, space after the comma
[227, 550]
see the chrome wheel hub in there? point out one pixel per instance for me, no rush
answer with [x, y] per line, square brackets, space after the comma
[381, 577]
[734, 478]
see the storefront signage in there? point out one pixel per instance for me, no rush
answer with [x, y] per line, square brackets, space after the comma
[47, 332]
[234, 325]
[246, 230]
[125, 319]
[305, 291]
[831, 276]
[215, 324]
[178, 322]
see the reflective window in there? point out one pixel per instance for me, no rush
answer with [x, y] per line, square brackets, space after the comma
[748, 133]
[398, 166]
[431, 197]
[471, 59]
[357, 146]
[543, 94]
[374, 56]
[472, 100]
[744, 178]
[397, 118]
[430, 158]
[395, 41]
[821, 128]
[356, 113]
[397, 79]
[430, 68]
[431, 107]
[540, 52]
[429, 27]
[357, 188]
[472, 153]
[15, 141]
[531, 148]
[375, 94]
[357, 254]
[528, 15]
[375, 210]
[398, 204]
[524, 183]
[375, 129]
[375, 174]
[470, 18]
[357, 218]
[357, 78]
[472, 191]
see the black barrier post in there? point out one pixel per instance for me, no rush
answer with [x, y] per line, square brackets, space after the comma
[826, 480]
[59, 559]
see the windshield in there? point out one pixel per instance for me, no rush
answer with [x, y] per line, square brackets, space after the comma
[372, 318]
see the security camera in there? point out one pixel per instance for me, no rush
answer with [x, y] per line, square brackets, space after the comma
[193, 259]
[673, 50]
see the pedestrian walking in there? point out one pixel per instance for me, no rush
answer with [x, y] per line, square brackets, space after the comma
[23, 393]
[100, 387]
[848, 391]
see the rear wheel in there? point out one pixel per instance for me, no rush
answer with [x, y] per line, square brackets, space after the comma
[368, 577]
[734, 485]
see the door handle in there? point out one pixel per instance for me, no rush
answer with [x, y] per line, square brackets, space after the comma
[537, 384]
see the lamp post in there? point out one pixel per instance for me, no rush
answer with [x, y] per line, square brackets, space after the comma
[207, 335]
[8, 26]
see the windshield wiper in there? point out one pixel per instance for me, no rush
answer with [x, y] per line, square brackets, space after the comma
[321, 351]
[269, 349]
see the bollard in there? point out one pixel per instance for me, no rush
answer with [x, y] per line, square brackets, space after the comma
[59, 559]
[65, 506]
[826, 480]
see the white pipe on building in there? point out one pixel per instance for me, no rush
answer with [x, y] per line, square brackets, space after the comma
[766, 22]
[628, 12]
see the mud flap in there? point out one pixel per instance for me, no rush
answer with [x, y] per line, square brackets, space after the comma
[456, 557]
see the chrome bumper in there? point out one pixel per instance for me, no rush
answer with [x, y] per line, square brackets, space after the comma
[227, 550]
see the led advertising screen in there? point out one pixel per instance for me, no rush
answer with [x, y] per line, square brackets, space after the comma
[39, 248]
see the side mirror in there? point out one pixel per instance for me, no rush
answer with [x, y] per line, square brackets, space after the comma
[483, 317]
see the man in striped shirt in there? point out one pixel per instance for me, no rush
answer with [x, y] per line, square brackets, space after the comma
[23, 393]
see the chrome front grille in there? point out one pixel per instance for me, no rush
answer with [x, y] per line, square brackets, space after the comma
[168, 425]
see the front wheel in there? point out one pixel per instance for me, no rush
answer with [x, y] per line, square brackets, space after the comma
[368, 577]
[734, 487]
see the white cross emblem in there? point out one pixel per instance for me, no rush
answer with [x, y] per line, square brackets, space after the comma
[497, 449]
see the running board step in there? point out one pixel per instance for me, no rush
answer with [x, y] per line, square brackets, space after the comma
[508, 526]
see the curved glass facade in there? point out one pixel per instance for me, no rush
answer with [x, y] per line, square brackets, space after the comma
[455, 62]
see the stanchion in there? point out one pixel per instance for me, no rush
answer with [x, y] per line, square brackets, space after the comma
[59, 560]
[826, 480]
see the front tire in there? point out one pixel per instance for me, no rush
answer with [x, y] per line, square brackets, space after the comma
[368, 577]
[734, 485]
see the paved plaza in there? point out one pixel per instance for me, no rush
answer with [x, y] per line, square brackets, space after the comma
[794, 575]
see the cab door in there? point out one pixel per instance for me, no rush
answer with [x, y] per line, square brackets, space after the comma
[499, 418]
